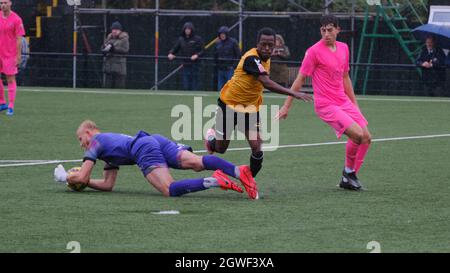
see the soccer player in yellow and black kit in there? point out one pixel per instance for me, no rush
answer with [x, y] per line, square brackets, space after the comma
[241, 98]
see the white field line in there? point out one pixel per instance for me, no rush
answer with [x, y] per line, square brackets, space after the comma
[204, 94]
[21, 161]
[48, 162]
[337, 143]
[37, 163]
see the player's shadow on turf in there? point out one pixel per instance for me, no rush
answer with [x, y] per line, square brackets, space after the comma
[121, 193]
[115, 193]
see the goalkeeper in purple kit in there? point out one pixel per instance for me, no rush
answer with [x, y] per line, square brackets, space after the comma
[154, 154]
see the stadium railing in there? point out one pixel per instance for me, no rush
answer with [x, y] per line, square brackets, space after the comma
[56, 70]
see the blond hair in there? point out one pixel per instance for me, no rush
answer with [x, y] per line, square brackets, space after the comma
[281, 39]
[87, 125]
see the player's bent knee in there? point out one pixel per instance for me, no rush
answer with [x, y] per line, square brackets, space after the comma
[10, 79]
[366, 138]
[357, 139]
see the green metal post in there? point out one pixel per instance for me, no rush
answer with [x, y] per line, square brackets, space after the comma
[415, 12]
[360, 49]
[372, 45]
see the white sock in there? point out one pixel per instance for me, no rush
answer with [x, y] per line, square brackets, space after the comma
[210, 182]
[348, 170]
[237, 172]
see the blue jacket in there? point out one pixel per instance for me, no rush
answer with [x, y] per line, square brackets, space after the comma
[25, 54]
[227, 52]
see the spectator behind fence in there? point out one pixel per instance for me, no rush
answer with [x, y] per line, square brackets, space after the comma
[226, 56]
[447, 75]
[447, 60]
[114, 48]
[190, 47]
[20, 78]
[279, 71]
[25, 54]
[432, 62]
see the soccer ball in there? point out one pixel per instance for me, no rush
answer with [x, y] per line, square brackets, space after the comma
[77, 186]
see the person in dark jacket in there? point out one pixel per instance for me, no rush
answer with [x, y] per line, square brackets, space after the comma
[432, 62]
[114, 48]
[226, 55]
[190, 46]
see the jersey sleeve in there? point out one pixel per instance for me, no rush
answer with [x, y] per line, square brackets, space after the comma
[347, 59]
[93, 152]
[110, 166]
[309, 63]
[19, 28]
[253, 66]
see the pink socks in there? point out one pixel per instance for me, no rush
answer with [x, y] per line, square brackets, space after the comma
[355, 155]
[2, 93]
[351, 149]
[12, 87]
[361, 155]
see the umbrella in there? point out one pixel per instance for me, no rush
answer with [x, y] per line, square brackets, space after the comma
[440, 33]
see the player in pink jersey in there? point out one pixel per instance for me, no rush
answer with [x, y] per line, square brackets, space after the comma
[327, 62]
[11, 32]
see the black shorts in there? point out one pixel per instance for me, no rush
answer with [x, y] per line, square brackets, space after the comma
[227, 120]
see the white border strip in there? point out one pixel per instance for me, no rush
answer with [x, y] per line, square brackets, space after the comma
[48, 162]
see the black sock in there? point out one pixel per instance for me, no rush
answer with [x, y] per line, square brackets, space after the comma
[256, 162]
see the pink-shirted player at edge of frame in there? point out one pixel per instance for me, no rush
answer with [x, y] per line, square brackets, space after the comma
[11, 32]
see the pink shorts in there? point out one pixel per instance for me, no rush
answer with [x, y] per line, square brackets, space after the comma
[341, 117]
[8, 66]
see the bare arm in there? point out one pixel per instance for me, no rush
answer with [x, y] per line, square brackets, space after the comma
[348, 87]
[105, 184]
[275, 87]
[296, 87]
[83, 176]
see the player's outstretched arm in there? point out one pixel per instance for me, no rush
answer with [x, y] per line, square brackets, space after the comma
[105, 184]
[275, 87]
[348, 87]
[83, 175]
[296, 87]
